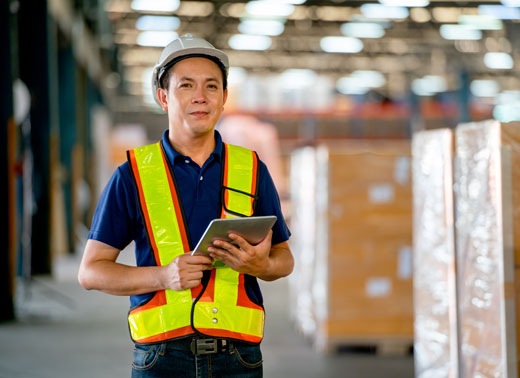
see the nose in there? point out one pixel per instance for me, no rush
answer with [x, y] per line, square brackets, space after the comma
[199, 96]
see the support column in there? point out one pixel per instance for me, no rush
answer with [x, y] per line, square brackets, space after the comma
[7, 200]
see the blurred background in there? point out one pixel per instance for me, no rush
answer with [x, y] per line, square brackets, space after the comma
[329, 92]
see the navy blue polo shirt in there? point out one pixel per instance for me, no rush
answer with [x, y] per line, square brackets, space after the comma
[117, 220]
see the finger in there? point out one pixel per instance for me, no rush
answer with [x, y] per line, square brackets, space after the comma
[223, 255]
[240, 241]
[220, 244]
[191, 283]
[198, 259]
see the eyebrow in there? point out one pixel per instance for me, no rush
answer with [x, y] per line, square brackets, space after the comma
[186, 78]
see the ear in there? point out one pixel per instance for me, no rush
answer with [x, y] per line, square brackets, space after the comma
[225, 97]
[162, 95]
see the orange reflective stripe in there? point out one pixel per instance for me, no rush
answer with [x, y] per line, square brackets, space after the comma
[159, 299]
[243, 299]
[184, 331]
[209, 292]
[230, 334]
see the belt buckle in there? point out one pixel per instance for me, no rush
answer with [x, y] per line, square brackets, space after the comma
[204, 346]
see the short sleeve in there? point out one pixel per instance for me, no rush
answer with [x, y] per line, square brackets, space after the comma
[269, 204]
[116, 215]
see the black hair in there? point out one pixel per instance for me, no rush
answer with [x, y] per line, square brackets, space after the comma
[164, 73]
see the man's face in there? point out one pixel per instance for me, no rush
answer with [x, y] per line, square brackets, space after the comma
[195, 97]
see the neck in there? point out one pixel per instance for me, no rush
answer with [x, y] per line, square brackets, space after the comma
[198, 148]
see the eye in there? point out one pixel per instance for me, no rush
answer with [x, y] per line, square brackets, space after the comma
[213, 86]
[185, 85]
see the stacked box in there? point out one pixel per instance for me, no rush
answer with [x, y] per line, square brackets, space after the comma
[435, 335]
[487, 222]
[352, 280]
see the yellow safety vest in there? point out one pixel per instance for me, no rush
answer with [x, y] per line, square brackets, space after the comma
[221, 308]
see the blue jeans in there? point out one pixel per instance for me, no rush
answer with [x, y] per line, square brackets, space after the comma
[175, 359]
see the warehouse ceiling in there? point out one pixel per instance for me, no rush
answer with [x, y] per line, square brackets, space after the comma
[409, 48]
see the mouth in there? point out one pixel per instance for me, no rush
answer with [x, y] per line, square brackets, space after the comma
[199, 113]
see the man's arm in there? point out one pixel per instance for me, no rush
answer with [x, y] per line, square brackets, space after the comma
[100, 271]
[265, 261]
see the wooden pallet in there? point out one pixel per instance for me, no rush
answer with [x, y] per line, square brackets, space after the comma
[378, 346]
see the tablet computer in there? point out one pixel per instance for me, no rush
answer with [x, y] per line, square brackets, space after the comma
[253, 229]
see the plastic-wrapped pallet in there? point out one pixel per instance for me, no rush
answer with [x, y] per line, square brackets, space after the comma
[307, 282]
[435, 311]
[352, 233]
[487, 203]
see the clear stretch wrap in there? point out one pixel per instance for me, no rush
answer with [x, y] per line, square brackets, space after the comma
[484, 251]
[308, 282]
[303, 241]
[435, 313]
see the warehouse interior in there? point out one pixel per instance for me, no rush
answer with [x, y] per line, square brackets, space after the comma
[390, 129]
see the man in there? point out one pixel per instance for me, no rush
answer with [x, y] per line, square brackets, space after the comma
[190, 316]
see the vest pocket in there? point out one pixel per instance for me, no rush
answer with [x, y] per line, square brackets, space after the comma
[145, 356]
[248, 356]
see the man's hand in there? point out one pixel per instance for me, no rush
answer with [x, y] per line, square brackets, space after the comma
[185, 271]
[244, 257]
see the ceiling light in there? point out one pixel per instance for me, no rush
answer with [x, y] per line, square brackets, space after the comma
[498, 61]
[429, 85]
[511, 3]
[261, 27]
[249, 42]
[460, 32]
[507, 113]
[156, 38]
[341, 44]
[508, 97]
[500, 12]
[155, 5]
[383, 12]
[294, 2]
[405, 3]
[508, 106]
[372, 79]
[481, 22]
[362, 30]
[484, 88]
[297, 78]
[157, 23]
[269, 8]
[351, 86]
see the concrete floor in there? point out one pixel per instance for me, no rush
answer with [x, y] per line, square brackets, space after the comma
[64, 331]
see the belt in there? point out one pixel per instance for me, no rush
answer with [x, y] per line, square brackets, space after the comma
[199, 345]
[209, 346]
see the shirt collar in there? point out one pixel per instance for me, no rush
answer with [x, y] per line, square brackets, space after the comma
[172, 154]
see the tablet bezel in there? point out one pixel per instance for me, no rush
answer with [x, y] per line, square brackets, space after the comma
[253, 229]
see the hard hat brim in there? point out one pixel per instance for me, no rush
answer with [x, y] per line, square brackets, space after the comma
[197, 51]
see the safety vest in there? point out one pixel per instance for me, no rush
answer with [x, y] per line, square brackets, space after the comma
[220, 308]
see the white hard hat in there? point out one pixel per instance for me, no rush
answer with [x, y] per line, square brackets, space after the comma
[185, 46]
